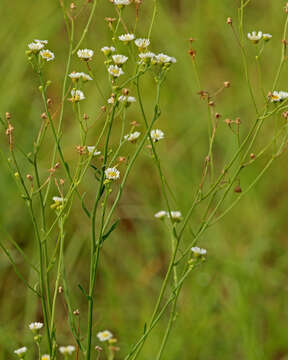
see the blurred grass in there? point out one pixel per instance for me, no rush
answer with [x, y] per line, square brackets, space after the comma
[235, 306]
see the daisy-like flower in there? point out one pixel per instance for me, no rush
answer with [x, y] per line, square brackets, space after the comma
[127, 99]
[283, 95]
[58, 199]
[111, 100]
[80, 75]
[142, 43]
[278, 96]
[108, 50]
[175, 216]
[85, 54]
[21, 352]
[77, 95]
[198, 251]
[112, 173]
[160, 214]
[47, 55]
[163, 59]
[45, 357]
[267, 37]
[126, 37]
[35, 46]
[86, 77]
[115, 70]
[119, 59]
[147, 56]
[44, 42]
[121, 2]
[92, 150]
[67, 350]
[157, 135]
[104, 335]
[132, 137]
[255, 36]
[36, 325]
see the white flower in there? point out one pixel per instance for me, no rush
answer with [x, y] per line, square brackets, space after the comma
[198, 251]
[115, 71]
[85, 54]
[142, 43]
[86, 77]
[58, 199]
[278, 96]
[80, 75]
[267, 37]
[21, 352]
[67, 350]
[107, 50]
[47, 55]
[127, 99]
[164, 59]
[35, 46]
[160, 214]
[119, 59]
[111, 100]
[112, 173]
[175, 216]
[132, 137]
[45, 357]
[92, 150]
[147, 56]
[126, 37]
[283, 95]
[104, 335]
[157, 135]
[121, 2]
[36, 325]
[44, 42]
[77, 95]
[255, 37]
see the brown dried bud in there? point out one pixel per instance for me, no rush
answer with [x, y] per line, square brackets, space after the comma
[29, 177]
[229, 21]
[81, 149]
[85, 117]
[57, 165]
[122, 159]
[103, 108]
[238, 121]
[98, 348]
[62, 181]
[76, 312]
[286, 8]
[238, 189]
[192, 53]
[60, 289]
[192, 40]
[72, 6]
[227, 84]
[44, 116]
[228, 121]
[284, 42]
[211, 103]
[285, 114]
[110, 20]
[125, 91]
[49, 101]
[8, 115]
[252, 156]
[217, 115]
[134, 123]
[9, 130]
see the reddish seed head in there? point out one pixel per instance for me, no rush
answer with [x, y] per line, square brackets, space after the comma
[8, 115]
[211, 103]
[49, 101]
[44, 116]
[217, 115]
[238, 189]
[229, 21]
[252, 156]
[238, 121]
[72, 6]
[227, 84]
[228, 121]
[103, 108]
[29, 177]
[125, 91]
[85, 117]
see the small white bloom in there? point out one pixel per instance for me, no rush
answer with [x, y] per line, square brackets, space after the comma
[255, 37]
[75, 75]
[198, 251]
[77, 95]
[119, 59]
[36, 325]
[278, 96]
[45, 357]
[104, 335]
[160, 214]
[267, 37]
[35, 46]
[44, 42]
[127, 99]
[58, 199]
[108, 50]
[132, 137]
[157, 135]
[85, 54]
[112, 173]
[147, 56]
[142, 43]
[92, 150]
[121, 2]
[164, 59]
[283, 95]
[126, 37]
[21, 351]
[67, 350]
[47, 55]
[86, 77]
[175, 216]
[111, 100]
[115, 71]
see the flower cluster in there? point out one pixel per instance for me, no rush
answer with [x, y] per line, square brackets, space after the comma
[38, 46]
[255, 36]
[175, 216]
[80, 75]
[278, 96]
[132, 137]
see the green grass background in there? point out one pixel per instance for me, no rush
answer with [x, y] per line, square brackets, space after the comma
[236, 305]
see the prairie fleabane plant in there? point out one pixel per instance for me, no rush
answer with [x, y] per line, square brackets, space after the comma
[128, 58]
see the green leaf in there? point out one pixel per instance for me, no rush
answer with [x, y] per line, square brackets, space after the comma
[113, 227]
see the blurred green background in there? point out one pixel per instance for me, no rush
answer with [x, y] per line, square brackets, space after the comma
[235, 306]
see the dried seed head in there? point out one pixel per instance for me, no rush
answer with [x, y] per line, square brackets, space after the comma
[62, 181]
[125, 91]
[72, 6]
[8, 115]
[211, 103]
[57, 165]
[85, 117]
[29, 177]
[286, 8]
[44, 116]
[9, 130]
[134, 123]
[60, 289]
[76, 312]
[284, 42]
[103, 108]
[238, 189]
[238, 121]
[217, 115]
[81, 149]
[192, 53]
[227, 84]
[49, 101]
[229, 21]
[285, 114]
[228, 121]
[252, 156]
[98, 348]
[191, 40]
[122, 159]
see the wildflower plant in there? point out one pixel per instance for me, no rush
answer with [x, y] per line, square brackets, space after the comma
[56, 194]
